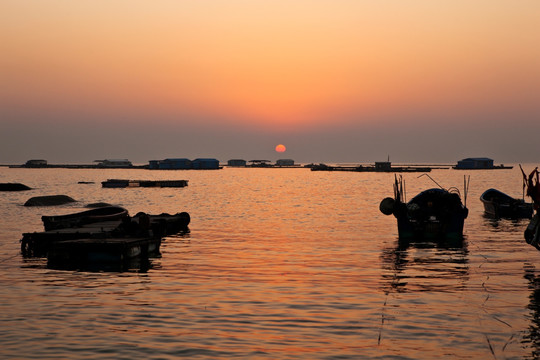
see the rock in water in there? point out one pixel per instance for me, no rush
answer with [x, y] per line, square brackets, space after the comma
[49, 200]
[13, 187]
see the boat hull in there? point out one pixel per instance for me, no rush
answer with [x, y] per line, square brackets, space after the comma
[451, 229]
[500, 205]
[434, 214]
[107, 213]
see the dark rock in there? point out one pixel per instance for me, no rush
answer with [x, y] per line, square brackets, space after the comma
[13, 187]
[49, 200]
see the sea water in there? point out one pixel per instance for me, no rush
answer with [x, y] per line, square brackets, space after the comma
[278, 264]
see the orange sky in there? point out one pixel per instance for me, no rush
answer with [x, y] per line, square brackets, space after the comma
[333, 80]
[270, 64]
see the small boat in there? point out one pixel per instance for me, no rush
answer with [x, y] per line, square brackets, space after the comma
[102, 223]
[106, 213]
[500, 205]
[435, 214]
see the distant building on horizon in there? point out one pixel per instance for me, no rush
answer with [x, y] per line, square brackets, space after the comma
[285, 162]
[475, 163]
[205, 163]
[383, 165]
[480, 163]
[237, 162]
[170, 164]
[114, 163]
[36, 163]
[183, 164]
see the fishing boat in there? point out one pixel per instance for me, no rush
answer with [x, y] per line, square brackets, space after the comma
[101, 214]
[500, 205]
[433, 214]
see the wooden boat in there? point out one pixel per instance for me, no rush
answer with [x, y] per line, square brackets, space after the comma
[75, 227]
[106, 213]
[498, 204]
[435, 214]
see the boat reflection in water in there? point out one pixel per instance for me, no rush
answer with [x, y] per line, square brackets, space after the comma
[533, 332]
[425, 266]
[415, 277]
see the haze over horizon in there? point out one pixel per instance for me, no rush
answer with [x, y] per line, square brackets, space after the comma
[334, 81]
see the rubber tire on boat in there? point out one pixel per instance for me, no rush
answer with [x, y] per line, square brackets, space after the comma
[387, 206]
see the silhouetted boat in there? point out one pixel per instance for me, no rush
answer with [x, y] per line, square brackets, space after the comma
[97, 226]
[498, 204]
[435, 213]
[107, 213]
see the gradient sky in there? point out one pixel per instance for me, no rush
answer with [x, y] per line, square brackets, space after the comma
[333, 80]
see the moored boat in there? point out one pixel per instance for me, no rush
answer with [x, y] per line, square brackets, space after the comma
[106, 213]
[103, 226]
[433, 214]
[500, 205]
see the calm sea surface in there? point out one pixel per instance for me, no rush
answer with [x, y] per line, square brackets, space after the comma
[279, 264]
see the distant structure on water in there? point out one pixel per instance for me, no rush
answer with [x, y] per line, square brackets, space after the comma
[267, 163]
[114, 163]
[184, 164]
[480, 163]
[207, 164]
[98, 164]
[36, 163]
[379, 166]
[285, 162]
[169, 164]
[237, 163]
[259, 163]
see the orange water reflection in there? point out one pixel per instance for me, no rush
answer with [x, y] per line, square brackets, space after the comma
[279, 263]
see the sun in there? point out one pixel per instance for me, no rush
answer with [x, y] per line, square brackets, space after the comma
[281, 148]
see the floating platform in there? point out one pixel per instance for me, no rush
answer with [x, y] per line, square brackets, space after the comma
[85, 253]
[37, 244]
[122, 183]
[382, 166]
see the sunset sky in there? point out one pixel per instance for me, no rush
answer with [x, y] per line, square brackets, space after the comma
[332, 80]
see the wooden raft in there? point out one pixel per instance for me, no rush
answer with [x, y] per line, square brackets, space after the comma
[82, 252]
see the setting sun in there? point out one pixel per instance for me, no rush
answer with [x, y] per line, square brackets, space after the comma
[281, 148]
